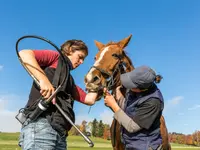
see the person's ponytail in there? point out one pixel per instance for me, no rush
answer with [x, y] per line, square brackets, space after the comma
[158, 78]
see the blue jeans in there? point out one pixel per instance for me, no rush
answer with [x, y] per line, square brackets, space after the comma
[39, 135]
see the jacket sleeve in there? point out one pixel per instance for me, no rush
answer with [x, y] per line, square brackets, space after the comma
[145, 116]
[127, 122]
[80, 94]
[46, 58]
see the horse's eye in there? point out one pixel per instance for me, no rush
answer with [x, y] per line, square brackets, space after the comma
[115, 55]
[105, 75]
[95, 58]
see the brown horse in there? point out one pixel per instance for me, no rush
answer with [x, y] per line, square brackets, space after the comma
[110, 62]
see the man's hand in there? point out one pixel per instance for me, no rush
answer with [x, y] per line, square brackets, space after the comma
[46, 89]
[110, 101]
[90, 98]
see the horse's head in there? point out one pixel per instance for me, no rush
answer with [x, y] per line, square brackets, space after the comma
[110, 61]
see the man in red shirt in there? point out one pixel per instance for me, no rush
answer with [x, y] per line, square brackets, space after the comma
[49, 131]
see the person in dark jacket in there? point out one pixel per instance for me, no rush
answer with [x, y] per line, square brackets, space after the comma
[140, 110]
[49, 130]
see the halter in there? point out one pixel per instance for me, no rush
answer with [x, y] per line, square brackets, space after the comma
[111, 81]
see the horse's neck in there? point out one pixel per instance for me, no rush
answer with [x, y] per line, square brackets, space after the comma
[129, 68]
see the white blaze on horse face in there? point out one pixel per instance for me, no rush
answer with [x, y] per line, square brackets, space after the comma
[89, 75]
[101, 56]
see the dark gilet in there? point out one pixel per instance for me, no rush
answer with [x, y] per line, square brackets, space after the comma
[144, 138]
[64, 98]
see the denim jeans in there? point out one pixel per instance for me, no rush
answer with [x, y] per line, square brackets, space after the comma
[39, 135]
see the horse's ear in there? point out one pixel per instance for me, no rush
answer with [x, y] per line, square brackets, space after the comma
[99, 45]
[123, 43]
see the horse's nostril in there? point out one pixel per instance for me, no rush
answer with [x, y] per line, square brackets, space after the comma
[96, 79]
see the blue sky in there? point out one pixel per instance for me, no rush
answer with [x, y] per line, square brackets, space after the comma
[166, 37]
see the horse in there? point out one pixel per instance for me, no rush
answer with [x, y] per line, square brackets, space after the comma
[111, 61]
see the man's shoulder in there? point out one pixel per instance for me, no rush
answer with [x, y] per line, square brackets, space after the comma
[153, 100]
[151, 103]
[47, 57]
[49, 51]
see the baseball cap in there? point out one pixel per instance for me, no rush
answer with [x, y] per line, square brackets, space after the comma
[141, 77]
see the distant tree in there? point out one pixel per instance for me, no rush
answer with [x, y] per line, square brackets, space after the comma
[101, 129]
[73, 131]
[83, 126]
[94, 127]
[189, 140]
[196, 138]
[181, 139]
[174, 138]
[106, 133]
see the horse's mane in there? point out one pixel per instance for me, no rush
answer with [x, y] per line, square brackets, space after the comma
[124, 52]
[127, 57]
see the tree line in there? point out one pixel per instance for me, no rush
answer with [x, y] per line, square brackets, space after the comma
[97, 128]
[94, 128]
[190, 139]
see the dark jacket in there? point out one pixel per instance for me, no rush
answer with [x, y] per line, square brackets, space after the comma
[63, 99]
[144, 138]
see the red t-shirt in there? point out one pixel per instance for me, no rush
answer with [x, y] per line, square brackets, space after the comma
[50, 58]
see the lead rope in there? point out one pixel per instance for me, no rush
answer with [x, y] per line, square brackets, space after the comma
[89, 109]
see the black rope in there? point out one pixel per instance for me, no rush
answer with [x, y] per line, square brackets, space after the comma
[43, 39]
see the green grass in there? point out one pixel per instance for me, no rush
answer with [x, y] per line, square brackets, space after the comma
[183, 147]
[8, 141]
[9, 136]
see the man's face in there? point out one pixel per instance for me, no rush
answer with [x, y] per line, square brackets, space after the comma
[77, 58]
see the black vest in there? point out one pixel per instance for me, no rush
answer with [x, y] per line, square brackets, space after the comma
[142, 139]
[63, 99]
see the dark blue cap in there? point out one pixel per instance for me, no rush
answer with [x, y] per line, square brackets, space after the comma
[141, 77]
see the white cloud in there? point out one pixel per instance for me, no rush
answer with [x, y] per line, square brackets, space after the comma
[1, 67]
[194, 107]
[8, 121]
[175, 100]
[170, 104]
[2, 104]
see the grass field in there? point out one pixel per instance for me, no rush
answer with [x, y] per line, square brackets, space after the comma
[8, 141]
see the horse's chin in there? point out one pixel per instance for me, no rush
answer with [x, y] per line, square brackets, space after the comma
[95, 88]
[92, 87]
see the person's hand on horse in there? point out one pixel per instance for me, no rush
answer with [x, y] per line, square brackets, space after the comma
[46, 89]
[110, 101]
